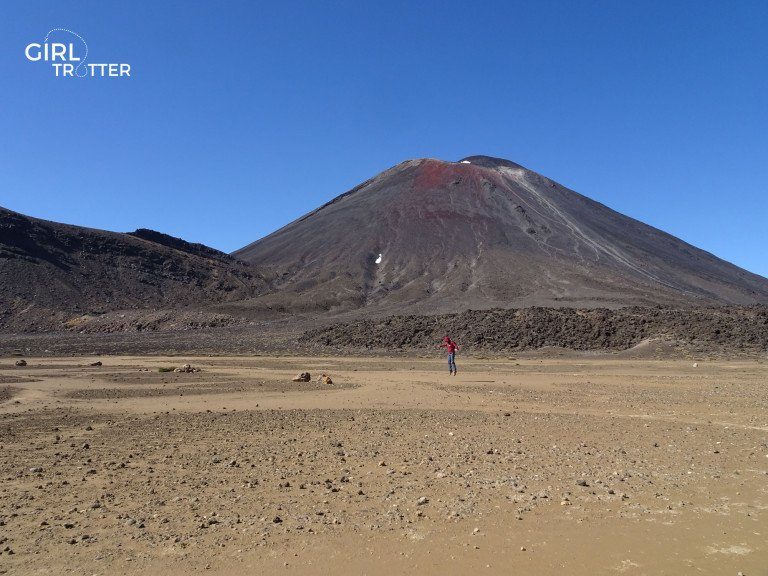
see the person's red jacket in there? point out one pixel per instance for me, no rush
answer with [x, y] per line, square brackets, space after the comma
[450, 346]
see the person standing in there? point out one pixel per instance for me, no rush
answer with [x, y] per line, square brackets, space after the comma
[451, 347]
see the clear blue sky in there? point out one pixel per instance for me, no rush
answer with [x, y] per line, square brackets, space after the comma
[241, 116]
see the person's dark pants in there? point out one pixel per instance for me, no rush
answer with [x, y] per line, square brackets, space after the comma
[452, 362]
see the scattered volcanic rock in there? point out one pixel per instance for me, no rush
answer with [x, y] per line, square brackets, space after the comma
[187, 368]
[429, 236]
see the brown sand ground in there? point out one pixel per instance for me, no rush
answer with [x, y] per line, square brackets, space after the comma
[530, 466]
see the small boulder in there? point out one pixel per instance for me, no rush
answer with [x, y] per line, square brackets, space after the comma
[303, 377]
[325, 379]
[97, 363]
[187, 369]
[21, 362]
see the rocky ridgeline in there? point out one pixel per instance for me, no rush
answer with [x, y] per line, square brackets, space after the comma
[56, 277]
[732, 329]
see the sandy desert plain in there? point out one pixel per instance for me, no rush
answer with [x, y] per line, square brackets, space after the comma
[580, 465]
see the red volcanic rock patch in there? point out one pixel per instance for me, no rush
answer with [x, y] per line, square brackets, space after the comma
[432, 174]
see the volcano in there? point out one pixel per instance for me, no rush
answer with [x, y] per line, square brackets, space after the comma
[430, 236]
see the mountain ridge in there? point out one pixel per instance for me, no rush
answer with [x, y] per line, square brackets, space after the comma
[53, 274]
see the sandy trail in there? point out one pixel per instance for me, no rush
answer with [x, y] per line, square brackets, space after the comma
[577, 466]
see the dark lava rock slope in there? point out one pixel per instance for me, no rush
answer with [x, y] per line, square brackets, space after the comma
[52, 274]
[722, 329]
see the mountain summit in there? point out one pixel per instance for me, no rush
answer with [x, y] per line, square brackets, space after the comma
[431, 236]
